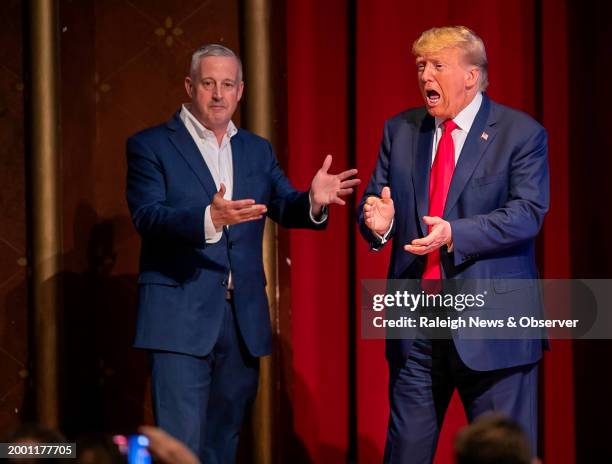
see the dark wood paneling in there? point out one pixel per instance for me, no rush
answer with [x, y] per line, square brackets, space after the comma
[14, 370]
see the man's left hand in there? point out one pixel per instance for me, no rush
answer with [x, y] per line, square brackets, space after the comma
[439, 234]
[327, 188]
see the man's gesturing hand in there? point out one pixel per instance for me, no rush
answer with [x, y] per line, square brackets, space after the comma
[327, 188]
[379, 212]
[167, 449]
[439, 234]
[227, 212]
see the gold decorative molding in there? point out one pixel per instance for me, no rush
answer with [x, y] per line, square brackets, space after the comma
[169, 31]
[44, 205]
[258, 113]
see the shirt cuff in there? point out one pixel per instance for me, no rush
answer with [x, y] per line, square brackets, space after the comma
[210, 233]
[323, 217]
[384, 238]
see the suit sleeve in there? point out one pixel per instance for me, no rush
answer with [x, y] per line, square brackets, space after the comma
[379, 179]
[146, 196]
[521, 217]
[288, 207]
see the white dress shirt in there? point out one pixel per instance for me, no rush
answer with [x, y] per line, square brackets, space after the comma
[217, 157]
[464, 121]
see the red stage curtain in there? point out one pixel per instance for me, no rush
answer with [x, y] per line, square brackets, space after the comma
[317, 125]
[557, 372]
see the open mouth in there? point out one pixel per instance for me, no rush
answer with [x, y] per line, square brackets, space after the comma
[432, 97]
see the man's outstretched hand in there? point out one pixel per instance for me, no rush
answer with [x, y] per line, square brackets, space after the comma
[379, 212]
[327, 188]
[439, 234]
[227, 212]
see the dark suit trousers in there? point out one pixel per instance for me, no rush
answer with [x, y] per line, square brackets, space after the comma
[202, 400]
[420, 390]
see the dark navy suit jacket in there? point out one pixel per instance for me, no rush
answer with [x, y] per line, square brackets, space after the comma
[183, 280]
[496, 203]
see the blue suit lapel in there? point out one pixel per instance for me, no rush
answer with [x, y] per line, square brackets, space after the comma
[183, 142]
[422, 169]
[473, 149]
[239, 166]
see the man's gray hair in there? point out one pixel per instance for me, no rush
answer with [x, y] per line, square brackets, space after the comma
[213, 50]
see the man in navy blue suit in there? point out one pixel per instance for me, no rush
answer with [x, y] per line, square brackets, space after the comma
[198, 189]
[461, 186]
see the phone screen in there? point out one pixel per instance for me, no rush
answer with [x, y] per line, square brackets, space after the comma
[134, 448]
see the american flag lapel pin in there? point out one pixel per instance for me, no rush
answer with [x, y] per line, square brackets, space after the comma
[484, 136]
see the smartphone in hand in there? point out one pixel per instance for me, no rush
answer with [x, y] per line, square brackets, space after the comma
[134, 447]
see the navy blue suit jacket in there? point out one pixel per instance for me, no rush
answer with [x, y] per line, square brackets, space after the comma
[496, 203]
[182, 280]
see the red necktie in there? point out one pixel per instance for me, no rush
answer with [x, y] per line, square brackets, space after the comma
[439, 183]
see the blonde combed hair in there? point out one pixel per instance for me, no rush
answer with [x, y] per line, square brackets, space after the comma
[435, 39]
